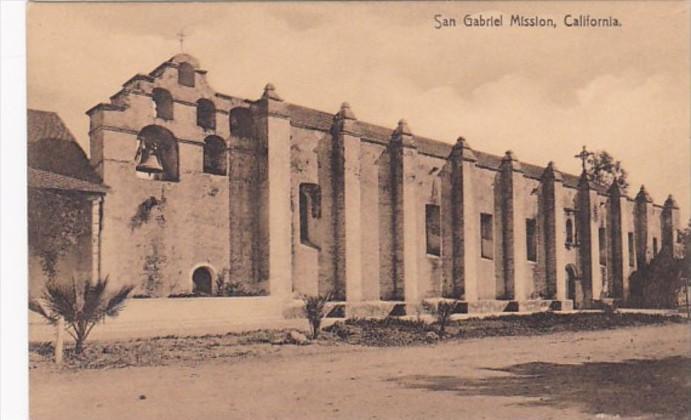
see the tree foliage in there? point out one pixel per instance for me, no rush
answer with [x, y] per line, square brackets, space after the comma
[57, 220]
[81, 304]
[602, 168]
[659, 283]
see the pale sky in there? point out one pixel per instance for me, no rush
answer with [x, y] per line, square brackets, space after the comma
[540, 92]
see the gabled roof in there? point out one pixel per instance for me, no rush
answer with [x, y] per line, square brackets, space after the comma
[46, 125]
[53, 181]
[53, 149]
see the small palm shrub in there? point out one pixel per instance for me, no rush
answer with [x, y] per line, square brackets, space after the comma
[81, 304]
[443, 312]
[315, 310]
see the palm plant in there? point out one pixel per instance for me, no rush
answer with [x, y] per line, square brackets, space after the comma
[81, 304]
[443, 312]
[315, 310]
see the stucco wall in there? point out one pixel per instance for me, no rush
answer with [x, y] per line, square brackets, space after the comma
[249, 222]
[190, 227]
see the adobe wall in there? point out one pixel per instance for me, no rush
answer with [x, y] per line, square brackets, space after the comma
[189, 227]
[249, 224]
[75, 263]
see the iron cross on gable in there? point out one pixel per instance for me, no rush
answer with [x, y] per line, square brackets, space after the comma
[583, 156]
[181, 37]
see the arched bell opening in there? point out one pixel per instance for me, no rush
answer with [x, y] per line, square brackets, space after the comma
[157, 155]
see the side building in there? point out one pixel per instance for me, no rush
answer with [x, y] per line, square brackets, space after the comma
[213, 194]
[64, 205]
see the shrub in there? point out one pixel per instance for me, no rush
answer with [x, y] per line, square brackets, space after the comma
[81, 304]
[315, 310]
[658, 284]
[443, 312]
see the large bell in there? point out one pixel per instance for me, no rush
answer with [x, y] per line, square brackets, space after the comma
[149, 162]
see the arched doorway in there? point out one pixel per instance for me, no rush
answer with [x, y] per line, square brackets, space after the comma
[201, 281]
[573, 285]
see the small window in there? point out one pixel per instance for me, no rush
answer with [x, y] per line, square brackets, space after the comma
[163, 103]
[531, 239]
[632, 250]
[432, 229]
[214, 156]
[186, 74]
[486, 236]
[569, 231]
[602, 242]
[310, 212]
[654, 247]
[206, 114]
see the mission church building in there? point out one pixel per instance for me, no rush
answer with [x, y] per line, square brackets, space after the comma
[213, 194]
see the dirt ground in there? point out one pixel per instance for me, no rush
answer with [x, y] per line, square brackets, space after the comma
[640, 372]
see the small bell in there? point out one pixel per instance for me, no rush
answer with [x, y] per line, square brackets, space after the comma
[149, 162]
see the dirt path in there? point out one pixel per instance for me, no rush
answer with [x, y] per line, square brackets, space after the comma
[632, 372]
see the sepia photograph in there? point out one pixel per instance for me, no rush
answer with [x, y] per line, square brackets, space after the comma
[357, 210]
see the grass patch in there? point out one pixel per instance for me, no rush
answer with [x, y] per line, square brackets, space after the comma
[395, 332]
[388, 332]
[165, 350]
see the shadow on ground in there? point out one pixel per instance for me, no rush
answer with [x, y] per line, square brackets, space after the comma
[629, 388]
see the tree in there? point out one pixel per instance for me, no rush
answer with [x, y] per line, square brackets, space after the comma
[603, 168]
[661, 281]
[81, 304]
[56, 222]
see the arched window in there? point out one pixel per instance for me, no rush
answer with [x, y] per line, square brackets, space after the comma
[163, 103]
[186, 74]
[206, 114]
[241, 124]
[602, 243]
[310, 213]
[486, 236]
[531, 239]
[433, 229]
[569, 232]
[214, 156]
[157, 156]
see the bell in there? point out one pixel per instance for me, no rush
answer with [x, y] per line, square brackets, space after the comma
[150, 163]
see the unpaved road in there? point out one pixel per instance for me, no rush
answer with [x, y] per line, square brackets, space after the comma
[628, 373]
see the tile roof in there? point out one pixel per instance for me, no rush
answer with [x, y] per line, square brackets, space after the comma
[46, 125]
[53, 181]
[52, 147]
[322, 121]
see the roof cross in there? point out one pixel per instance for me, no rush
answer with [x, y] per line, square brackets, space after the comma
[181, 38]
[583, 156]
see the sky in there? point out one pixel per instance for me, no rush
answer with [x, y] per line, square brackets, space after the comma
[540, 92]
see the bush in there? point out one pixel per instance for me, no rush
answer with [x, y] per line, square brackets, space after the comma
[382, 332]
[82, 305]
[315, 310]
[658, 284]
[443, 312]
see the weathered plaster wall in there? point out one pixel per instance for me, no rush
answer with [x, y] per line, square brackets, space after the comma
[249, 221]
[305, 169]
[490, 278]
[190, 227]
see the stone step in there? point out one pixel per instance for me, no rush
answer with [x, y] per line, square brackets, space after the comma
[497, 306]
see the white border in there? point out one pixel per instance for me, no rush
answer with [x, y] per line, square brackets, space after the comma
[14, 402]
